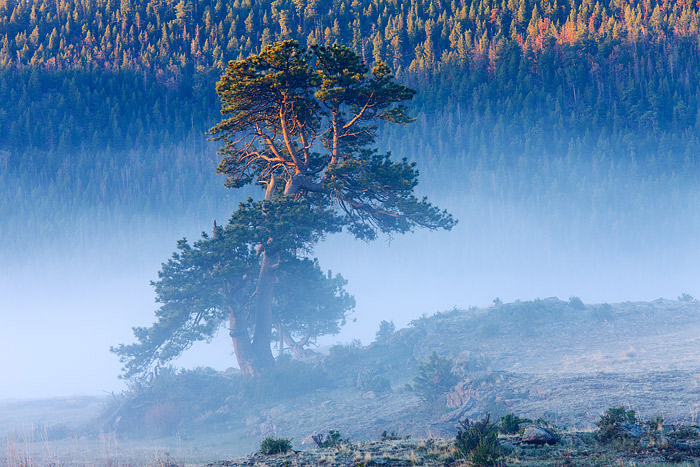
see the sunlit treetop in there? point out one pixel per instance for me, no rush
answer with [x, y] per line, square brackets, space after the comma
[310, 118]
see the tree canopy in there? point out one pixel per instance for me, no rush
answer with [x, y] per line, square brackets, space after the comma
[310, 118]
[207, 285]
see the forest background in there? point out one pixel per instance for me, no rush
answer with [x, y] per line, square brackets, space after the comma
[564, 136]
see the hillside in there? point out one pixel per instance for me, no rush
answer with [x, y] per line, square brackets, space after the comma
[549, 359]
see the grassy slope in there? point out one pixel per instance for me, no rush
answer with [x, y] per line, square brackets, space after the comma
[537, 359]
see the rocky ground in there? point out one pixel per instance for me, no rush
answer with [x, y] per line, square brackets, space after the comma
[541, 359]
[675, 446]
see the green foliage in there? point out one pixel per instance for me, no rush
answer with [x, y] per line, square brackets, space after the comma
[510, 424]
[270, 446]
[435, 378]
[142, 76]
[486, 454]
[609, 425]
[385, 331]
[284, 99]
[478, 442]
[202, 283]
[391, 436]
[655, 427]
[330, 440]
[614, 416]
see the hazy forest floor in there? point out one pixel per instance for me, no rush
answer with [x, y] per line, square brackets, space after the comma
[546, 359]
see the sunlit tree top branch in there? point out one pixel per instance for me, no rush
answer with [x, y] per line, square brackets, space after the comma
[310, 118]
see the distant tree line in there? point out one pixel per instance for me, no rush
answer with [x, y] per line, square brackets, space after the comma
[546, 103]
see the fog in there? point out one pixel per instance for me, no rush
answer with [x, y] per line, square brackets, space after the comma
[64, 307]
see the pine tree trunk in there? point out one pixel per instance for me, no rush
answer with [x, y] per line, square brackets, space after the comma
[262, 337]
[242, 347]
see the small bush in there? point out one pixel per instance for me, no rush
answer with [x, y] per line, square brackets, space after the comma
[375, 383]
[685, 432]
[386, 330]
[576, 303]
[486, 454]
[510, 424]
[171, 400]
[435, 378]
[685, 297]
[478, 442]
[271, 446]
[656, 430]
[342, 357]
[610, 424]
[330, 440]
[393, 436]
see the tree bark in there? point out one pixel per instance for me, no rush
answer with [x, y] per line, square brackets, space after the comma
[300, 352]
[262, 336]
[242, 347]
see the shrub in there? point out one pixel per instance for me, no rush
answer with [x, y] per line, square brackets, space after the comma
[486, 454]
[271, 446]
[610, 424]
[330, 440]
[685, 297]
[386, 330]
[510, 424]
[343, 358]
[169, 401]
[576, 303]
[393, 436]
[435, 378]
[375, 383]
[656, 430]
[478, 442]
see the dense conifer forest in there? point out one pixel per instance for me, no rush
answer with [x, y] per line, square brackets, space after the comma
[584, 113]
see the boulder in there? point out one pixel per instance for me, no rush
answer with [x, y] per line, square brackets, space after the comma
[630, 430]
[538, 435]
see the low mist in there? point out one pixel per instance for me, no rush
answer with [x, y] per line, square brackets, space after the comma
[65, 307]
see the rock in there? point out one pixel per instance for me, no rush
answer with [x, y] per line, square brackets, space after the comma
[460, 395]
[538, 435]
[630, 430]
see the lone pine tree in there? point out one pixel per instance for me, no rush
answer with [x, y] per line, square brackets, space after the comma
[302, 124]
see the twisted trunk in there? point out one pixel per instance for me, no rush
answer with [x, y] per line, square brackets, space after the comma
[262, 336]
[245, 355]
